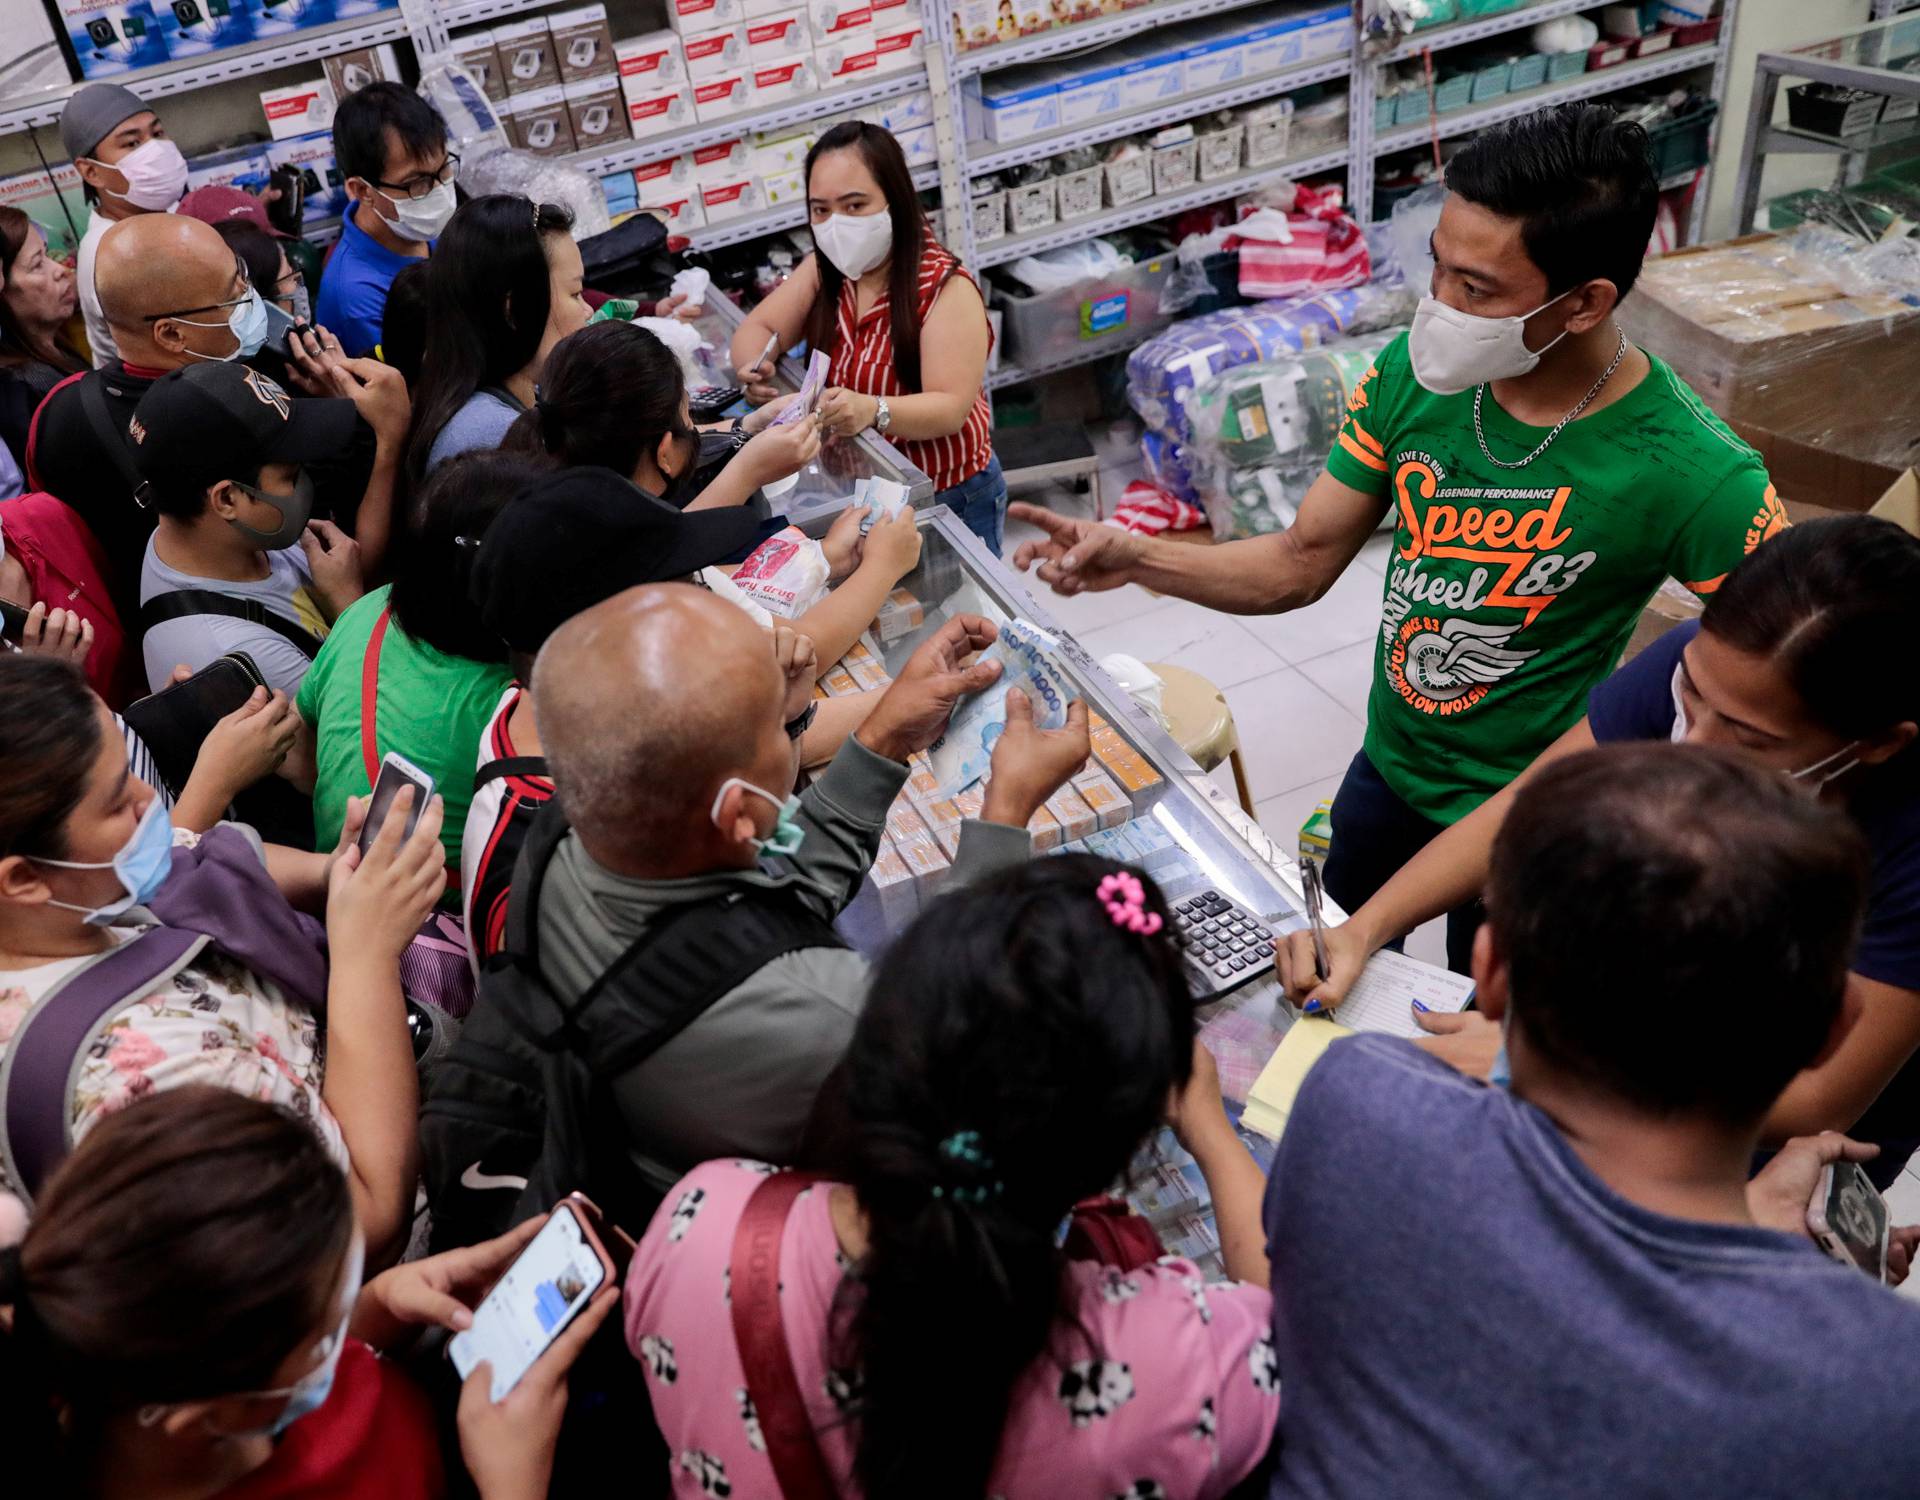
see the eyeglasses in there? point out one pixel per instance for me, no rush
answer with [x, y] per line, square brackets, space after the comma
[246, 291]
[422, 183]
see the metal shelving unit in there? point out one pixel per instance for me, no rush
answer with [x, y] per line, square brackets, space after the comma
[1858, 59]
[1459, 33]
[167, 79]
[1160, 206]
[786, 216]
[1084, 36]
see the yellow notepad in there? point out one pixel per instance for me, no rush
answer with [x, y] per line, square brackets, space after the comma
[1270, 1100]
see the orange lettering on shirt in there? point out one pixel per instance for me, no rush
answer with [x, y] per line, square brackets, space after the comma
[1536, 531]
[1426, 482]
[1471, 520]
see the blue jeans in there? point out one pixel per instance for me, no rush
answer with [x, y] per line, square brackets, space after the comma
[1374, 834]
[981, 502]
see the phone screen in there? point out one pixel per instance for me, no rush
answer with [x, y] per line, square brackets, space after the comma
[540, 1294]
[13, 621]
[1857, 1216]
[394, 774]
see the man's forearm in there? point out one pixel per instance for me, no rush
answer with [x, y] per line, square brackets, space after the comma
[373, 525]
[1263, 575]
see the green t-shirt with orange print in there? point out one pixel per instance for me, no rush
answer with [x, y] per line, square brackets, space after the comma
[1510, 592]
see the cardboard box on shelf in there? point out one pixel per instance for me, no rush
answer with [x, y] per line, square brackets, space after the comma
[719, 98]
[244, 167]
[783, 187]
[666, 109]
[349, 72]
[618, 189]
[682, 216]
[776, 151]
[731, 200]
[899, 37]
[715, 53]
[477, 54]
[113, 38]
[976, 23]
[752, 10]
[541, 123]
[193, 28]
[776, 37]
[785, 80]
[582, 43]
[723, 161]
[1011, 107]
[827, 17]
[703, 15]
[527, 63]
[647, 62]
[846, 62]
[918, 146]
[297, 109]
[595, 109]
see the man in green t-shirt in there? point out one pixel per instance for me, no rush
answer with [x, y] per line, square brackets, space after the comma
[1543, 473]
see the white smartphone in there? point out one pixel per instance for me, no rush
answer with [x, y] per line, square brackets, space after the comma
[396, 771]
[543, 1291]
[1848, 1219]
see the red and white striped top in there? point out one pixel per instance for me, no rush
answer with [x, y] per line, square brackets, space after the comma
[863, 362]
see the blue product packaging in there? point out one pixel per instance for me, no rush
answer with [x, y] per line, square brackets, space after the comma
[280, 17]
[193, 28]
[326, 187]
[111, 37]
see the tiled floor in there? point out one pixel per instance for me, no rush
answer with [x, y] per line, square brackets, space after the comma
[1297, 683]
[1298, 688]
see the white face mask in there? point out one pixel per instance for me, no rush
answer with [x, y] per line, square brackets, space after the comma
[855, 243]
[156, 174]
[1814, 777]
[421, 219]
[1455, 351]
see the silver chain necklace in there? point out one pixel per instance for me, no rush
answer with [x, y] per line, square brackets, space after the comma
[1585, 401]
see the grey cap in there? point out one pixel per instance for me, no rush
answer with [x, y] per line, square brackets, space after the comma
[92, 114]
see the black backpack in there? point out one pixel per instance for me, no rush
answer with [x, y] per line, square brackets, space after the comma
[520, 1112]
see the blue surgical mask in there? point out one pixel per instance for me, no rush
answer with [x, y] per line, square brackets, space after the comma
[787, 832]
[142, 865]
[1500, 1075]
[246, 321]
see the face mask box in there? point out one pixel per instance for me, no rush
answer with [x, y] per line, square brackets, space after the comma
[772, 39]
[595, 110]
[1214, 62]
[349, 72]
[688, 16]
[582, 43]
[670, 107]
[848, 63]
[297, 109]
[718, 98]
[829, 18]
[479, 57]
[1011, 108]
[193, 28]
[715, 53]
[1089, 94]
[753, 10]
[897, 51]
[722, 162]
[784, 151]
[541, 123]
[312, 157]
[110, 39]
[621, 195]
[527, 63]
[244, 167]
[731, 200]
[649, 63]
[786, 81]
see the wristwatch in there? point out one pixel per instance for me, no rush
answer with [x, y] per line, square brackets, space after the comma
[882, 414]
[799, 726]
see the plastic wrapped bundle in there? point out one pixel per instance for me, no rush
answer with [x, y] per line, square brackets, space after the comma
[1162, 370]
[1261, 431]
[1807, 336]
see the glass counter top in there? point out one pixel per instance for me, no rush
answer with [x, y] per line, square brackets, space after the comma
[825, 487]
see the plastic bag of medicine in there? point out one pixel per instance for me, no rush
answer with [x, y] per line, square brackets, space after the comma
[1029, 659]
[786, 575]
[810, 388]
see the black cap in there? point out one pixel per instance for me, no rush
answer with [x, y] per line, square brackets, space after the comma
[579, 536]
[210, 422]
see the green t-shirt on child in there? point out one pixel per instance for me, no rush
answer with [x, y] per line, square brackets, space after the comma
[1510, 592]
[430, 706]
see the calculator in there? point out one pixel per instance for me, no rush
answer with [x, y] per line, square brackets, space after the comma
[1226, 944]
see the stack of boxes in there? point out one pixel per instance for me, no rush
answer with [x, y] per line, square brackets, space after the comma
[756, 171]
[554, 80]
[299, 120]
[110, 37]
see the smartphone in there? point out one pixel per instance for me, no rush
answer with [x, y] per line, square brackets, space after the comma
[396, 771]
[543, 1291]
[13, 621]
[1848, 1218]
[280, 326]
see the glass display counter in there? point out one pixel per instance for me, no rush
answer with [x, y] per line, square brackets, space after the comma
[823, 489]
[1178, 824]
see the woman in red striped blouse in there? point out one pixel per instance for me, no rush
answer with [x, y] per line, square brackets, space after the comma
[902, 321]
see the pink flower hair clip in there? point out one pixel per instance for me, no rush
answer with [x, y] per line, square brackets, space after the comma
[1126, 903]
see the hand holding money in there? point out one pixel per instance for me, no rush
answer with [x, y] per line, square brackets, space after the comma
[1030, 764]
[1029, 656]
[913, 712]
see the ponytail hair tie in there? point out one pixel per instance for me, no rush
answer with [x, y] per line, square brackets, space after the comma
[1126, 902]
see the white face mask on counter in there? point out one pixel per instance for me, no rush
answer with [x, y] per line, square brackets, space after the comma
[855, 243]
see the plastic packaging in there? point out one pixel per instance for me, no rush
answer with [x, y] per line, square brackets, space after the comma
[1066, 267]
[786, 575]
[1410, 233]
[1809, 335]
[1261, 431]
[693, 283]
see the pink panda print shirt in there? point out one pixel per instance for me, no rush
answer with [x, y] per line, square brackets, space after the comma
[1175, 1399]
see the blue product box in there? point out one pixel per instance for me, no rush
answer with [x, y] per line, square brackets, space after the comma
[281, 17]
[1214, 62]
[193, 28]
[244, 167]
[1011, 108]
[326, 187]
[622, 193]
[1091, 94]
[110, 37]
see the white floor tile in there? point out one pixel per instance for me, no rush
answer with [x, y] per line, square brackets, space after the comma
[1347, 614]
[1291, 732]
[1345, 675]
[1282, 816]
[1216, 646]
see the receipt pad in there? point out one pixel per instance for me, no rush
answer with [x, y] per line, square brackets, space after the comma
[1270, 1100]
